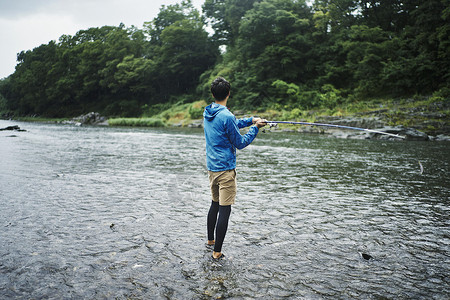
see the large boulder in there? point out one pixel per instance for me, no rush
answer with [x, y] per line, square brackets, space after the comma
[91, 118]
[411, 134]
[441, 138]
[415, 135]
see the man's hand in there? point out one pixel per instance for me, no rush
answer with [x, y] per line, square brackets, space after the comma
[260, 122]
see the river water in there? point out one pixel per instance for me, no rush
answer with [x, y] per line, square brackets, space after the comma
[120, 213]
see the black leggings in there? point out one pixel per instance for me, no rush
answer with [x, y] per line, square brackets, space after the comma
[222, 223]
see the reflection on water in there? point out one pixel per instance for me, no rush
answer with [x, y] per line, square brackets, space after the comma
[121, 213]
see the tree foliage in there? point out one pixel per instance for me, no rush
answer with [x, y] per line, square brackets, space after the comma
[276, 53]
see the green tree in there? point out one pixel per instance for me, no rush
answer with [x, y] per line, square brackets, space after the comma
[332, 22]
[274, 44]
[169, 15]
[95, 54]
[225, 17]
[185, 53]
[181, 51]
[31, 78]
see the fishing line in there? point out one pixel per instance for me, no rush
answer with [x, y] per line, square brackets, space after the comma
[336, 126]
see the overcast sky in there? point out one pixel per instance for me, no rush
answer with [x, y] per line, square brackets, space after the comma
[26, 24]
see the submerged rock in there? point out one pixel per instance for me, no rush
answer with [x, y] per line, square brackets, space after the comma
[441, 138]
[411, 134]
[14, 127]
[416, 135]
[366, 256]
[196, 124]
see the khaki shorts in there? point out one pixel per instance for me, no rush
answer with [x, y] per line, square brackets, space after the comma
[223, 186]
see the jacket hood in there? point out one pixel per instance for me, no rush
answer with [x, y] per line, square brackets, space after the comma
[212, 110]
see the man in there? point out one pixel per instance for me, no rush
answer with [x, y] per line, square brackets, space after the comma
[222, 138]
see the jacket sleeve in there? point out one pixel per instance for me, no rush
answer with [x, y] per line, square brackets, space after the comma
[245, 122]
[236, 138]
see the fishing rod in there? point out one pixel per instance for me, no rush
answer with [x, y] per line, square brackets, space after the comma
[335, 126]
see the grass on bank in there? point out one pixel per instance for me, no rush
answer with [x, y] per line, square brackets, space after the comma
[40, 119]
[136, 122]
[177, 115]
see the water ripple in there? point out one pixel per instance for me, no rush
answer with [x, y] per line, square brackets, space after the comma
[119, 213]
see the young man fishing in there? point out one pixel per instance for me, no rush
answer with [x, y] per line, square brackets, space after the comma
[222, 138]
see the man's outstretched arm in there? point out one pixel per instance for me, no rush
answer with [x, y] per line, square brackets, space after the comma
[242, 141]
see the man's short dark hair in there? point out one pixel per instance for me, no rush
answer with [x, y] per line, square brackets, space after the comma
[220, 88]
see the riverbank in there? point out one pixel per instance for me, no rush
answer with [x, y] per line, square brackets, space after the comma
[425, 118]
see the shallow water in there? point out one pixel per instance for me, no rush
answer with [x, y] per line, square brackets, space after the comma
[100, 213]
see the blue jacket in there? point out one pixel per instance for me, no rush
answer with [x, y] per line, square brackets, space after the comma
[223, 137]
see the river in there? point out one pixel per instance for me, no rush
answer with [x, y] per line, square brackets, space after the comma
[120, 213]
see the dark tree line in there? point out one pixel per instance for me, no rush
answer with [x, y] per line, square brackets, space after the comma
[276, 53]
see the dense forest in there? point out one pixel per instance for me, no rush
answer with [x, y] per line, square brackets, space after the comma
[276, 53]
